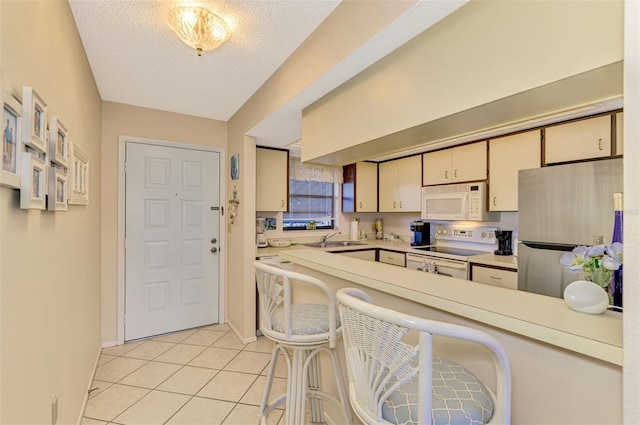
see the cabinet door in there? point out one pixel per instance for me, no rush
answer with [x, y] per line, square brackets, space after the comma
[619, 133]
[272, 180]
[590, 138]
[469, 162]
[505, 278]
[366, 187]
[409, 183]
[368, 255]
[388, 186]
[391, 257]
[507, 156]
[436, 167]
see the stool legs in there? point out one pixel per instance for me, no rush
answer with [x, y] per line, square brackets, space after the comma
[303, 381]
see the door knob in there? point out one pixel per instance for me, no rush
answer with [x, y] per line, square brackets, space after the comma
[214, 249]
[214, 240]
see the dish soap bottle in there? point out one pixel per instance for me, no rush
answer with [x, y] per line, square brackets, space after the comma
[616, 281]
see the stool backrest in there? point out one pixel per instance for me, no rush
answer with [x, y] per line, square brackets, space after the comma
[276, 289]
[378, 361]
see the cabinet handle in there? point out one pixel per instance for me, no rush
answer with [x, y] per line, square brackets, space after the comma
[599, 144]
[394, 204]
[494, 202]
[400, 204]
[455, 174]
[360, 205]
[446, 174]
[282, 203]
[495, 277]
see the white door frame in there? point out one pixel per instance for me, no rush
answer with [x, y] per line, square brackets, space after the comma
[122, 141]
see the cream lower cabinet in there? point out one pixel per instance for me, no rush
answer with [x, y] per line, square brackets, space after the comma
[584, 139]
[272, 179]
[460, 164]
[399, 185]
[391, 257]
[368, 255]
[507, 156]
[505, 278]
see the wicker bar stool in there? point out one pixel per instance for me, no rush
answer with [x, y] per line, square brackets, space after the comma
[391, 382]
[300, 332]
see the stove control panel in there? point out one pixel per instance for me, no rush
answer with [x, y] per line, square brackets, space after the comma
[466, 234]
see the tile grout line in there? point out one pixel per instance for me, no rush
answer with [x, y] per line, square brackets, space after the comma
[182, 366]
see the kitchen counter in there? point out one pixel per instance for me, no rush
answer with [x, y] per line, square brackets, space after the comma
[506, 261]
[369, 244]
[540, 318]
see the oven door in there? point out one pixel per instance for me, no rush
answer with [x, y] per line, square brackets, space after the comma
[445, 206]
[443, 266]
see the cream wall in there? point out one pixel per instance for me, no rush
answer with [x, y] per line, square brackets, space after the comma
[126, 120]
[352, 23]
[485, 51]
[49, 262]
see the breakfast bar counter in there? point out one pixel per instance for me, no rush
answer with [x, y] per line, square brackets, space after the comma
[545, 319]
[566, 366]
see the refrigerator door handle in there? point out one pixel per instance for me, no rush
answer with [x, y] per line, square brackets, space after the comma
[549, 246]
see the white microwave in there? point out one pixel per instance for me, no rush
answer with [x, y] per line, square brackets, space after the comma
[466, 201]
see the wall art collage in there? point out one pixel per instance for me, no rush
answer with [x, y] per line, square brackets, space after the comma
[38, 158]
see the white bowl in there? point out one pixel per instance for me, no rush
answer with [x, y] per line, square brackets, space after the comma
[279, 243]
[586, 297]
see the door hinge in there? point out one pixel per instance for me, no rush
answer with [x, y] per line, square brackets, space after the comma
[124, 244]
[125, 167]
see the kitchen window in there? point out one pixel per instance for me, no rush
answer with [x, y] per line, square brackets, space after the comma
[312, 196]
[311, 206]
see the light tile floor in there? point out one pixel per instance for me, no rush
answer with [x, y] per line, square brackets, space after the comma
[200, 376]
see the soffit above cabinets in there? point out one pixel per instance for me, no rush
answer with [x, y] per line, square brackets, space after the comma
[589, 93]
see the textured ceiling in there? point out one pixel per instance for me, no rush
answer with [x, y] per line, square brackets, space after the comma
[137, 60]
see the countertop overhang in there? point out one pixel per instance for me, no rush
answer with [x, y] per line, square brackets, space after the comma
[545, 319]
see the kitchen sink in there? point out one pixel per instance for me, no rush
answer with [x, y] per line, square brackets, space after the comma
[332, 244]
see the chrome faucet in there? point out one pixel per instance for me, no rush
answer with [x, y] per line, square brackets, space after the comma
[329, 235]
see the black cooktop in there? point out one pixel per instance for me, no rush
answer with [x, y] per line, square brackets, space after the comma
[448, 250]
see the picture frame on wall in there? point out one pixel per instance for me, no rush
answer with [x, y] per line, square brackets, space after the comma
[58, 142]
[57, 194]
[11, 147]
[32, 182]
[78, 185]
[34, 120]
[235, 166]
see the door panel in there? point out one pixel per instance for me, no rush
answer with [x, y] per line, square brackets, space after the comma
[171, 273]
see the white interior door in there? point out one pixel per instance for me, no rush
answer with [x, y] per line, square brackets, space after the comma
[172, 260]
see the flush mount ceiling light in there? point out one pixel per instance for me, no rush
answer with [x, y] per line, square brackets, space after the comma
[198, 27]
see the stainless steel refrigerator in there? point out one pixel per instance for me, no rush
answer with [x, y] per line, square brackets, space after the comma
[560, 207]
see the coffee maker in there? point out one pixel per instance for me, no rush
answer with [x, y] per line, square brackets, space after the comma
[504, 242]
[421, 233]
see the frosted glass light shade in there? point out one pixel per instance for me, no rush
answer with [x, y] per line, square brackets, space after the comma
[586, 297]
[198, 27]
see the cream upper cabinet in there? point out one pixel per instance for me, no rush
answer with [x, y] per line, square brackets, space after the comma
[436, 167]
[619, 133]
[272, 180]
[460, 164]
[360, 187]
[507, 156]
[584, 139]
[400, 184]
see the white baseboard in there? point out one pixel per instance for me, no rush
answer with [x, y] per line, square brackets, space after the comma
[239, 336]
[109, 344]
[86, 394]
